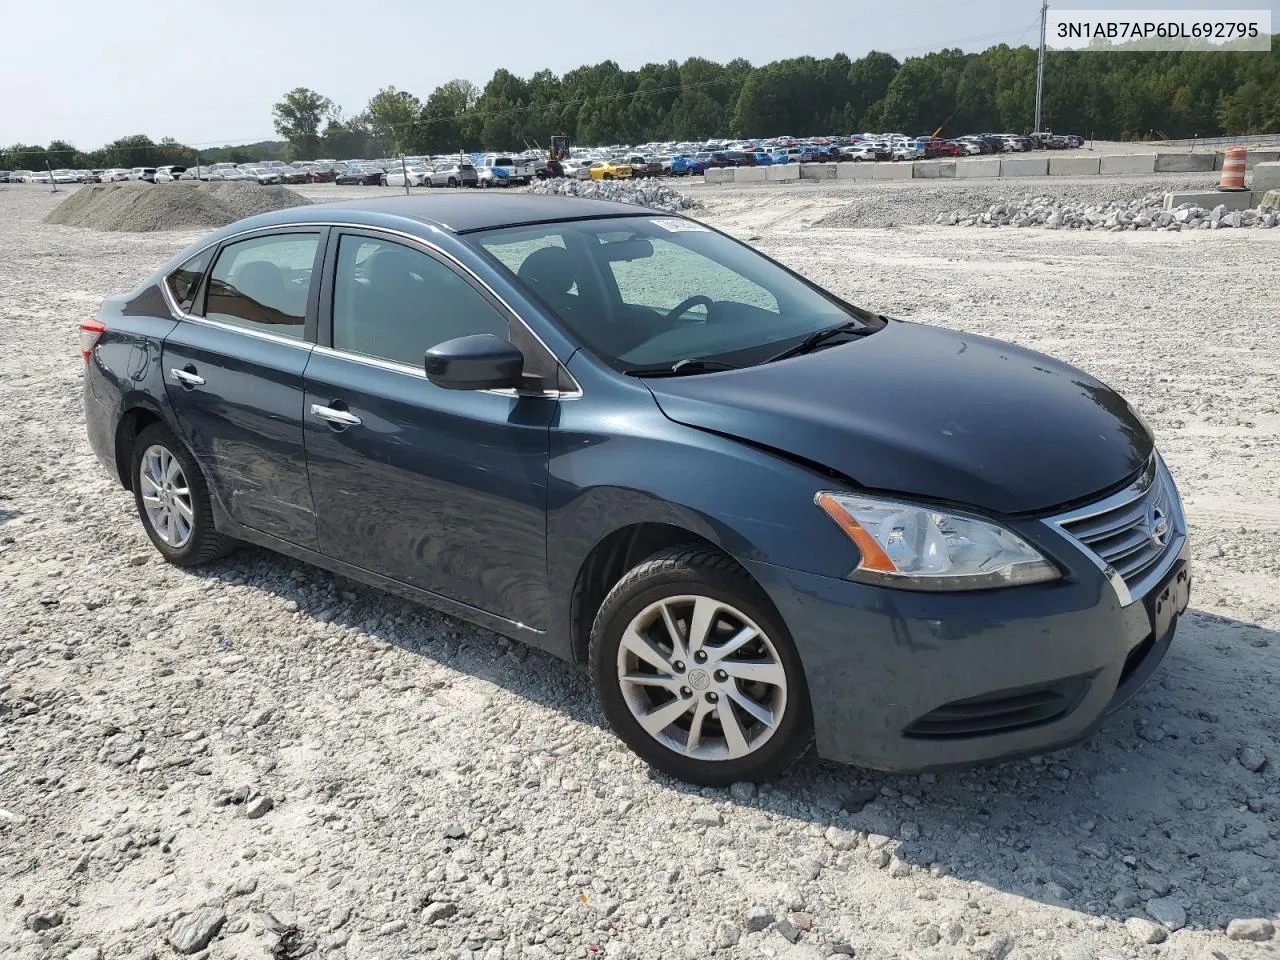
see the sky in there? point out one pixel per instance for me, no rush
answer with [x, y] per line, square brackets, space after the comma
[208, 74]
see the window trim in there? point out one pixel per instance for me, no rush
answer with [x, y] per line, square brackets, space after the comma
[309, 317]
[308, 339]
[518, 330]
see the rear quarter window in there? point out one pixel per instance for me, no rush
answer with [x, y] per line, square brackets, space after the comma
[185, 281]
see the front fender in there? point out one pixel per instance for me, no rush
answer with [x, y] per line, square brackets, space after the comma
[618, 461]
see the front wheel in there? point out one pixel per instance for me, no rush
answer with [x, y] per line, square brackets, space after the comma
[697, 673]
[173, 500]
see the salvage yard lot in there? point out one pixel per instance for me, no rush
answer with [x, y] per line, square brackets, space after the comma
[436, 789]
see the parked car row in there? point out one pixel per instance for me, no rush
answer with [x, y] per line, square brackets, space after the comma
[618, 162]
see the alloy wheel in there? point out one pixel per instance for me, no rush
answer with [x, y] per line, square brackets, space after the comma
[166, 496]
[701, 678]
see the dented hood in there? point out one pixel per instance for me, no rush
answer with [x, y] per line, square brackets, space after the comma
[930, 413]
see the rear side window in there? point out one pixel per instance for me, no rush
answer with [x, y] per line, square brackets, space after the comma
[395, 303]
[263, 284]
[185, 281]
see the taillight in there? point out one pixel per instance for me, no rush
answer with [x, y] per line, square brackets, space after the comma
[90, 331]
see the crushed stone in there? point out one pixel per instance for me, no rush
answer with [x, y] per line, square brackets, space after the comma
[646, 193]
[145, 208]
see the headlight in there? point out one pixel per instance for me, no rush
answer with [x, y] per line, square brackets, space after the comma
[918, 548]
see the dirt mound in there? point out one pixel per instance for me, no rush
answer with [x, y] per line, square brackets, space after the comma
[143, 207]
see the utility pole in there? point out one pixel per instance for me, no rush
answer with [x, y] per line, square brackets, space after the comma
[1044, 16]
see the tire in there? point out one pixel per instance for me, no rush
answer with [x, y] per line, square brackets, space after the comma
[382, 181]
[857, 159]
[155, 449]
[453, 181]
[680, 579]
[607, 176]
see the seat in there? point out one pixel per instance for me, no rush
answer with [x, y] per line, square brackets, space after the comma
[551, 273]
[262, 282]
[387, 312]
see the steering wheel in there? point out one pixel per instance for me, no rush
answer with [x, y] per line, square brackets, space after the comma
[687, 304]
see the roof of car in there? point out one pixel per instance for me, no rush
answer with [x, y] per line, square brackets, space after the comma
[465, 212]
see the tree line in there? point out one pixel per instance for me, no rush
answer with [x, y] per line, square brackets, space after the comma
[1116, 95]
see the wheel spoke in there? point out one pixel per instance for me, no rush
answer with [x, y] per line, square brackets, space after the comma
[658, 719]
[652, 680]
[145, 477]
[646, 650]
[755, 671]
[736, 643]
[678, 645]
[700, 714]
[173, 469]
[734, 738]
[700, 622]
[181, 527]
[750, 706]
[151, 500]
[169, 536]
[183, 509]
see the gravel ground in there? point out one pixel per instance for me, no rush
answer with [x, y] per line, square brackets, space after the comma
[263, 756]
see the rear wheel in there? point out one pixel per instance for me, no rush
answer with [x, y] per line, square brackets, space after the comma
[453, 181]
[173, 500]
[697, 673]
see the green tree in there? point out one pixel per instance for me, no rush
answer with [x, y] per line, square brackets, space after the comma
[299, 118]
[393, 116]
[439, 128]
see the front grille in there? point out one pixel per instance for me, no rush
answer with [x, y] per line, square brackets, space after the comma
[999, 712]
[1132, 531]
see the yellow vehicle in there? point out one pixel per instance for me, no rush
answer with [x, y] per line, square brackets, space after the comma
[609, 170]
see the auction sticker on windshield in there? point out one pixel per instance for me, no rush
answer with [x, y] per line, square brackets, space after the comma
[676, 225]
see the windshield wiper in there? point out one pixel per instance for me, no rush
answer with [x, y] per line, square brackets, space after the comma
[818, 337]
[681, 368]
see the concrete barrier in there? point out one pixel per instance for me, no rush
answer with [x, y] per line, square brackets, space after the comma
[849, 171]
[984, 167]
[718, 175]
[891, 171]
[749, 174]
[933, 169]
[1184, 162]
[817, 171]
[1266, 176]
[1128, 163]
[783, 171]
[1024, 166]
[1074, 166]
[1232, 200]
[1251, 160]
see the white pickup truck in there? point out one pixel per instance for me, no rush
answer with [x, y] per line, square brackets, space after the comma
[509, 168]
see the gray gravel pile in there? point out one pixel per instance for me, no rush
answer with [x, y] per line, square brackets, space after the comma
[144, 208]
[646, 193]
[259, 760]
[916, 202]
[1145, 213]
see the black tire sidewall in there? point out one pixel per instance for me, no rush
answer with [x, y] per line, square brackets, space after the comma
[198, 547]
[625, 602]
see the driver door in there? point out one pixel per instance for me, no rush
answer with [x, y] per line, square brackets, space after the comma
[444, 490]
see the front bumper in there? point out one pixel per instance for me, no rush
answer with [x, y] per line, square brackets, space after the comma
[904, 681]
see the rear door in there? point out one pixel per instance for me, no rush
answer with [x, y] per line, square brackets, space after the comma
[445, 490]
[233, 373]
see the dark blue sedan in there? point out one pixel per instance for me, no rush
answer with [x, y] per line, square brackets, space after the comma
[760, 514]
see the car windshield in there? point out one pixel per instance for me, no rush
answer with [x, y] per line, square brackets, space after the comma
[647, 292]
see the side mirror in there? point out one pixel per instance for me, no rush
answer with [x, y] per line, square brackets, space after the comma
[478, 362]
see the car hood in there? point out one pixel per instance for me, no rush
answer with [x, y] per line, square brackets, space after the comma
[930, 413]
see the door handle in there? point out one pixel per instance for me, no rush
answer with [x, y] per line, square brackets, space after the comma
[339, 418]
[186, 378]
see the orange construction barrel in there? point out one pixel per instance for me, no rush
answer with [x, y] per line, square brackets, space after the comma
[1233, 169]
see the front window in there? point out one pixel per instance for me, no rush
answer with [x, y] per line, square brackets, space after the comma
[647, 292]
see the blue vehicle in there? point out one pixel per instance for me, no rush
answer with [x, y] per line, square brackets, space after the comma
[759, 515]
[780, 157]
[763, 159]
[682, 166]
